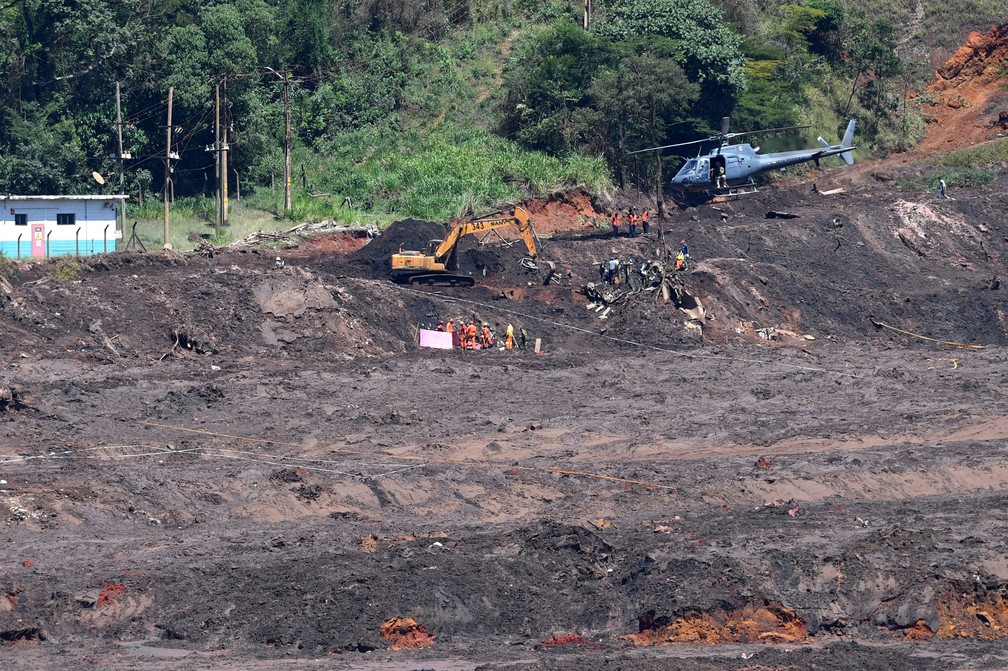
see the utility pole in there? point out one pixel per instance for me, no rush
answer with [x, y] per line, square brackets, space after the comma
[287, 145]
[224, 163]
[122, 179]
[167, 172]
[216, 150]
[587, 14]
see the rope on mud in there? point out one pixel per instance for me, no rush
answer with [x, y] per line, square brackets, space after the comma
[879, 324]
[624, 341]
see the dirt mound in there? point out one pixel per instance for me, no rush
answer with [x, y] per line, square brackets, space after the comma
[407, 234]
[568, 211]
[967, 103]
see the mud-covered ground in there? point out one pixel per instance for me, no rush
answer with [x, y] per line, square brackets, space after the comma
[215, 462]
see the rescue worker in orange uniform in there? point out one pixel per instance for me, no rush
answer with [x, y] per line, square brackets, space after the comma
[644, 221]
[487, 336]
[450, 326]
[615, 224]
[471, 335]
[509, 338]
[632, 217]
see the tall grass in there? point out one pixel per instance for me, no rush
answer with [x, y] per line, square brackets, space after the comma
[450, 171]
[981, 155]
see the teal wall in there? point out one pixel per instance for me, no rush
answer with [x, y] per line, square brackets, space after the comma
[58, 247]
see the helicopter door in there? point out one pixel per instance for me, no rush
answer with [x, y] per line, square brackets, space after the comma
[704, 169]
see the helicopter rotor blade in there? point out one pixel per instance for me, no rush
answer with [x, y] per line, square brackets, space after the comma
[667, 146]
[765, 130]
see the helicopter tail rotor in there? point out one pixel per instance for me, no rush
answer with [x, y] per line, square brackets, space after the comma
[847, 143]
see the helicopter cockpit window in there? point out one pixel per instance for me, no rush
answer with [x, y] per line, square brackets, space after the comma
[688, 168]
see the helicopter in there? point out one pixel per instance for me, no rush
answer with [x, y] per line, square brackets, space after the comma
[727, 171]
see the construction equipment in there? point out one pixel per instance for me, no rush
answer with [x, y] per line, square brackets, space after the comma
[438, 265]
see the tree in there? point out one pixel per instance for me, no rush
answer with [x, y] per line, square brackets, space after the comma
[45, 154]
[640, 99]
[709, 52]
[547, 81]
[872, 58]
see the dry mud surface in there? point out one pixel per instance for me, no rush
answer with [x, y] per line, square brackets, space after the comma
[213, 462]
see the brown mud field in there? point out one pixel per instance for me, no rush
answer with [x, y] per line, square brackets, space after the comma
[212, 461]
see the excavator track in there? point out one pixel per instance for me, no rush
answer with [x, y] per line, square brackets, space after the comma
[434, 279]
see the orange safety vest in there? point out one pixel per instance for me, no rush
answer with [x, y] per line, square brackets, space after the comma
[644, 215]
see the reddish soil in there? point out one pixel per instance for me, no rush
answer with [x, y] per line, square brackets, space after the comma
[968, 99]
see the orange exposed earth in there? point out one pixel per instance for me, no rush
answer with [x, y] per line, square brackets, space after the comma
[967, 102]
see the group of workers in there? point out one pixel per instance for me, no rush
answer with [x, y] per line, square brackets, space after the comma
[614, 271]
[471, 336]
[632, 219]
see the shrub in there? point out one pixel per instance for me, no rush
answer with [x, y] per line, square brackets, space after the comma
[66, 270]
[9, 269]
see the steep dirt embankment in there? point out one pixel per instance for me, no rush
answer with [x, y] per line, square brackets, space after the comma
[967, 103]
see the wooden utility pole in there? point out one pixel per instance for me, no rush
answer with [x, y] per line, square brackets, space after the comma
[287, 145]
[167, 172]
[224, 163]
[122, 179]
[216, 150]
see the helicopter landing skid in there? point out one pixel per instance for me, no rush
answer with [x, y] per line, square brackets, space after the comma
[731, 193]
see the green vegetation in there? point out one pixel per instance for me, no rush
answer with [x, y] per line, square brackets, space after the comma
[431, 109]
[66, 270]
[9, 269]
[983, 155]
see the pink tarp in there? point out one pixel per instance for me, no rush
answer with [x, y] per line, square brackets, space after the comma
[435, 339]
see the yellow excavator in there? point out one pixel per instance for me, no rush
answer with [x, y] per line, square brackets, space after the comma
[439, 264]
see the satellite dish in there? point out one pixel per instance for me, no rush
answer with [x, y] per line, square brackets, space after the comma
[98, 178]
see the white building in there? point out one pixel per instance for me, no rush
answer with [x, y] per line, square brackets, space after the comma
[43, 226]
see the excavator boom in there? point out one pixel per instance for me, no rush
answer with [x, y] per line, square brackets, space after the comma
[421, 268]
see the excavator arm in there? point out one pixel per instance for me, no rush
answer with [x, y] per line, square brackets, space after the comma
[433, 268]
[520, 217]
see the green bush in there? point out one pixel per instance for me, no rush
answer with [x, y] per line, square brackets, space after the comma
[9, 269]
[66, 269]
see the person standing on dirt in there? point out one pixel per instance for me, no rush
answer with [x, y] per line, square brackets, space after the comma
[644, 221]
[440, 325]
[942, 193]
[509, 337]
[632, 218]
[487, 336]
[612, 267]
[471, 335]
[682, 258]
[615, 224]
